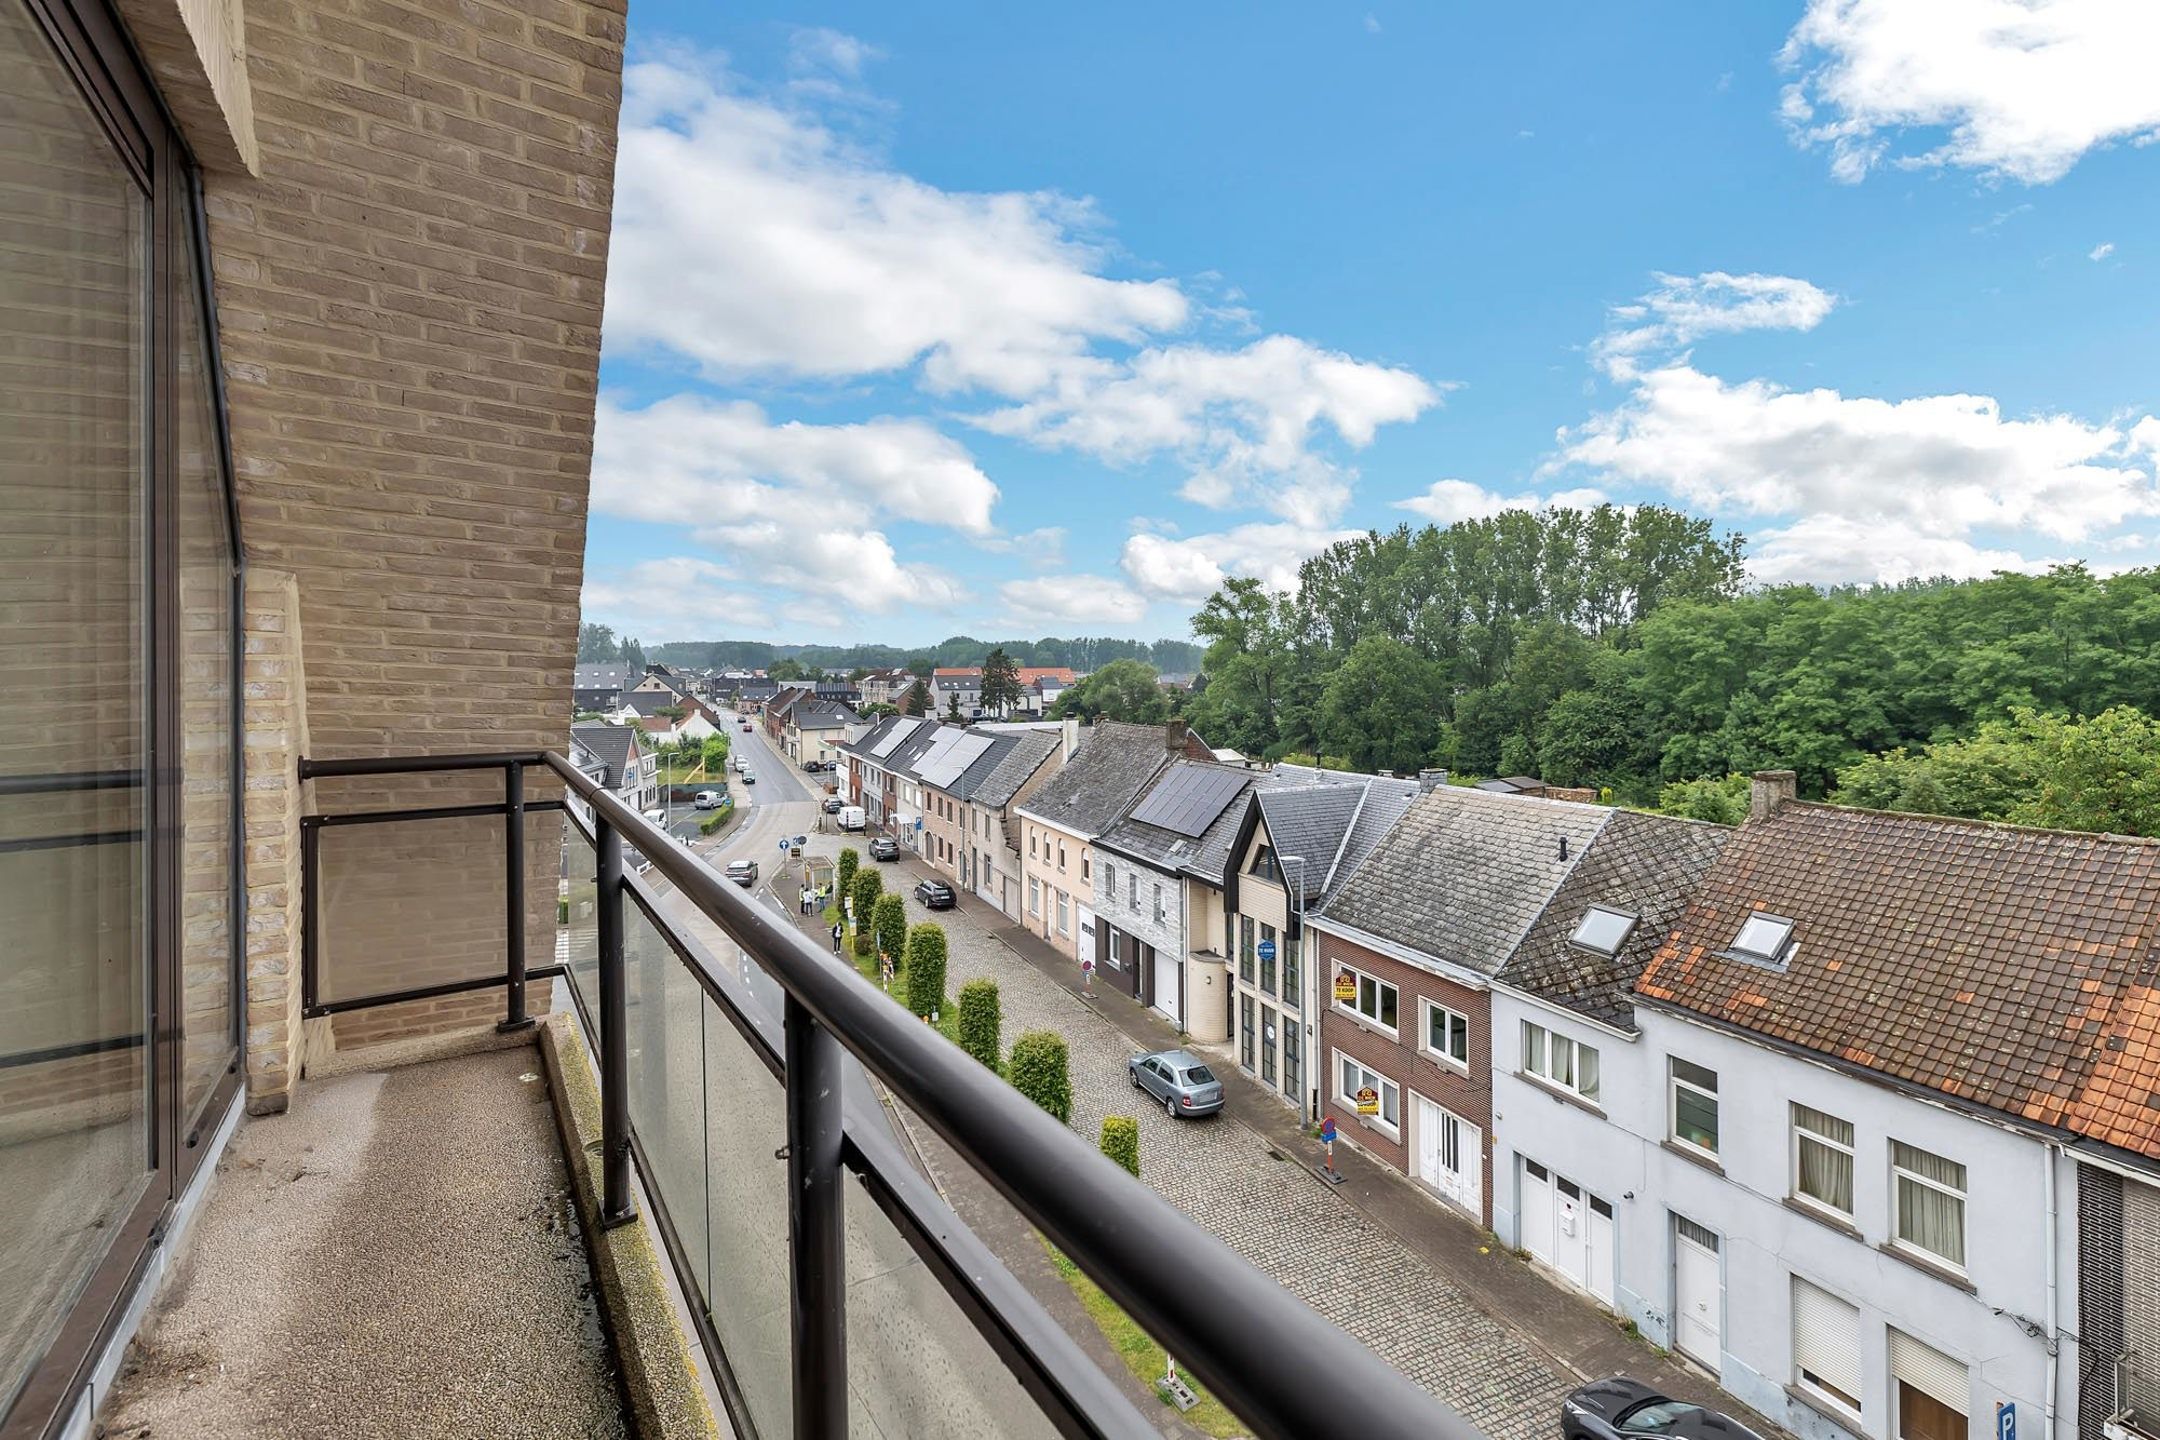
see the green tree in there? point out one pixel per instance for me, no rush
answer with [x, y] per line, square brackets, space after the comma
[1039, 1069]
[917, 699]
[925, 967]
[981, 1019]
[952, 706]
[789, 668]
[844, 868]
[1722, 801]
[596, 645]
[888, 924]
[1000, 683]
[1121, 1141]
[1127, 690]
[864, 892]
[1381, 707]
[714, 753]
[2097, 774]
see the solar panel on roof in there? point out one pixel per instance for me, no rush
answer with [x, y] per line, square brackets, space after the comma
[941, 742]
[1190, 798]
[947, 766]
[899, 732]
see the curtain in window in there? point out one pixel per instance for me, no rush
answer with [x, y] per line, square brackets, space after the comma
[1826, 1172]
[1927, 1217]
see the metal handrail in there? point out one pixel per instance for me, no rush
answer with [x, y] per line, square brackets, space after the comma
[1282, 1368]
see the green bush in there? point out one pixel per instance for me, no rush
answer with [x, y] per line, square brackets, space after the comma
[981, 1017]
[926, 969]
[715, 820]
[888, 926]
[1039, 1069]
[862, 941]
[1121, 1141]
[864, 890]
[844, 870]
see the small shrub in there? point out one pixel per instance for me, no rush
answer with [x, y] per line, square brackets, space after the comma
[888, 926]
[864, 890]
[1121, 1141]
[1039, 1069]
[862, 942]
[981, 1017]
[926, 968]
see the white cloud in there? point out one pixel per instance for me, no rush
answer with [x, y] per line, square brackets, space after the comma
[1194, 567]
[1876, 486]
[1447, 501]
[1243, 421]
[2023, 88]
[1681, 309]
[1072, 599]
[680, 596]
[2101, 251]
[687, 458]
[828, 569]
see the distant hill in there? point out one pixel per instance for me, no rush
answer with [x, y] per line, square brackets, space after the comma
[1080, 653]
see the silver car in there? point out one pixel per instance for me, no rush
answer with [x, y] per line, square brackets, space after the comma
[1178, 1078]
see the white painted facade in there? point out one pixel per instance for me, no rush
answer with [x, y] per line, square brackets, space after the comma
[1746, 1234]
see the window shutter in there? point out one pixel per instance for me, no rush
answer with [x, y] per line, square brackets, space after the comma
[1929, 1371]
[1826, 1336]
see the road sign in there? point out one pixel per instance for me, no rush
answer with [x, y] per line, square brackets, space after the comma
[1267, 951]
[1327, 1129]
[1345, 986]
[783, 842]
[2006, 1421]
[1368, 1101]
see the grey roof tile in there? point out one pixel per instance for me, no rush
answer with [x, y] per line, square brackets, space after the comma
[1109, 773]
[1029, 750]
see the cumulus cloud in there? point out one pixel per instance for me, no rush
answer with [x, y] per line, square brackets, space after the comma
[1447, 501]
[1191, 568]
[1876, 488]
[678, 596]
[2016, 89]
[824, 569]
[1678, 310]
[1072, 600]
[2101, 251]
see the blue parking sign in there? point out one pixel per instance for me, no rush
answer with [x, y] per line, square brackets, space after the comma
[2006, 1421]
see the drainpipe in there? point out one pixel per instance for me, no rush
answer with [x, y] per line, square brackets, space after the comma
[2054, 1339]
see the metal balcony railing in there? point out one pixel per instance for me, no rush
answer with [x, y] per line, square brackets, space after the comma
[803, 1319]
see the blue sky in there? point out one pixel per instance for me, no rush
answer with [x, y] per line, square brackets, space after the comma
[1042, 320]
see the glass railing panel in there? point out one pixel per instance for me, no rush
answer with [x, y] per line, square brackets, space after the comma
[577, 936]
[746, 1280]
[665, 1065]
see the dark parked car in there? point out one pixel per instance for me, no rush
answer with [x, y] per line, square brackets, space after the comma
[832, 804]
[1624, 1409]
[742, 872]
[1179, 1079]
[935, 895]
[884, 848]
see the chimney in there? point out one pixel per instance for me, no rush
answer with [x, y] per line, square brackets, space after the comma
[1068, 737]
[1428, 780]
[1770, 789]
[1174, 737]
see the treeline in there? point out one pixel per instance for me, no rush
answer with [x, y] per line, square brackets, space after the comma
[1079, 653]
[1617, 649]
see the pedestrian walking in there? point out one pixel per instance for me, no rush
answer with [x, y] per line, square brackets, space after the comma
[836, 937]
[806, 899]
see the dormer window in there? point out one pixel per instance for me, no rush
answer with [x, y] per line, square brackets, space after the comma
[1764, 940]
[1603, 930]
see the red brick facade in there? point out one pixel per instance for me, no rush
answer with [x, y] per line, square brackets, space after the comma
[1399, 1058]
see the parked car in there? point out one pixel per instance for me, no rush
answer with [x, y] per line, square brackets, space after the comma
[749, 777]
[935, 895]
[742, 872]
[1624, 1409]
[1178, 1078]
[746, 727]
[707, 800]
[852, 817]
[884, 848]
[832, 804]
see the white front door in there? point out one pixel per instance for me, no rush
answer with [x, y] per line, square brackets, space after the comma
[1698, 1307]
[1166, 986]
[1598, 1252]
[1537, 1212]
[1449, 1152]
[1569, 1229]
[1087, 932]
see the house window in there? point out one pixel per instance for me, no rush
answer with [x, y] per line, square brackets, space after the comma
[1376, 1000]
[1292, 987]
[1159, 911]
[1447, 1035]
[1290, 1041]
[1061, 855]
[1355, 1077]
[1267, 959]
[1558, 1060]
[1109, 875]
[1245, 1030]
[1132, 890]
[1245, 948]
[1264, 867]
[1603, 930]
[1034, 896]
[1928, 1196]
[1031, 844]
[1826, 1345]
[1117, 951]
[1064, 923]
[1931, 1391]
[1083, 864]
[1764, 940]
[1822, 1159]
[1694, 1114]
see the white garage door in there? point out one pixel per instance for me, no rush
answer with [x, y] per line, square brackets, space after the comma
[1449, 1154]
[1167, 988]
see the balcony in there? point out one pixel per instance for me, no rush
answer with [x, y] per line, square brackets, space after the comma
[742, 1080]
[2136, 1413]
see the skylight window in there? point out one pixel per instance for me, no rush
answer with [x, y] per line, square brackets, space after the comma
[1603, 930]
[1764, 938]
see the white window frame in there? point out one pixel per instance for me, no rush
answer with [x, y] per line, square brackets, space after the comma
[1546, 1071]
[1160, 913]
[1061, 857]
[1802, 1135]
[1064, 913]
[1803, 1379]
[1675, 1082]
[1442, 1057]
[1366, 1075]
[1356, 1008]
[1897, 1217]
[1034, 896]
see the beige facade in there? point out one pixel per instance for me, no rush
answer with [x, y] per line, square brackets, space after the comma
[1207, 978]
[1270, 1023]
[1057, 869]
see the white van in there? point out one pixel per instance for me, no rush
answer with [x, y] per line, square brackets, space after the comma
[707, 800]
[852, 817]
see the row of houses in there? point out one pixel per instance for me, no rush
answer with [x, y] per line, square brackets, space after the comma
[1857, 1112]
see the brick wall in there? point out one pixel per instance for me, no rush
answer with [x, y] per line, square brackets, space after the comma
[410, 297]
[273, 689]
[1468, 1096]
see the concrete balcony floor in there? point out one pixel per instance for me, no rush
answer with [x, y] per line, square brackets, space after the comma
[396, 1256]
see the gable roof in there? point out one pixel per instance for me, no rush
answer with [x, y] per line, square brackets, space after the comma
[1463, 873]
[610, 745]
[913, 747]
[2016, 969]
[1645, 865]
[822, 715]
[1111, 770]
[1030, 748]
[602, 677]
[1169, 849]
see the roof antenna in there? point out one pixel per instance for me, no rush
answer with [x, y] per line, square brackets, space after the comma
[1563, 847]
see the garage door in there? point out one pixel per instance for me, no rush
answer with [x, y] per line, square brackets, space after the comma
[1568, 1229]
[1449, 1154]
[1167, 990]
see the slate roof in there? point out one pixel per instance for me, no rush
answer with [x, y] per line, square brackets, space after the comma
[908, 751]
[1167, 849]
[602, 677]
[1103, 779]
[2013, 968]
[610, 744]
[1030, 748]
[1309, 821]
[968, 781]
[1464, 873]
[1646, 865]
[822, 715]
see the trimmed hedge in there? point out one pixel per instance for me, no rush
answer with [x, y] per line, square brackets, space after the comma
[888, 926]
[864, 890]
[981, 1018]
[926, 969]
[1121, 1141]
[1039, 1069]
[844, 870]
